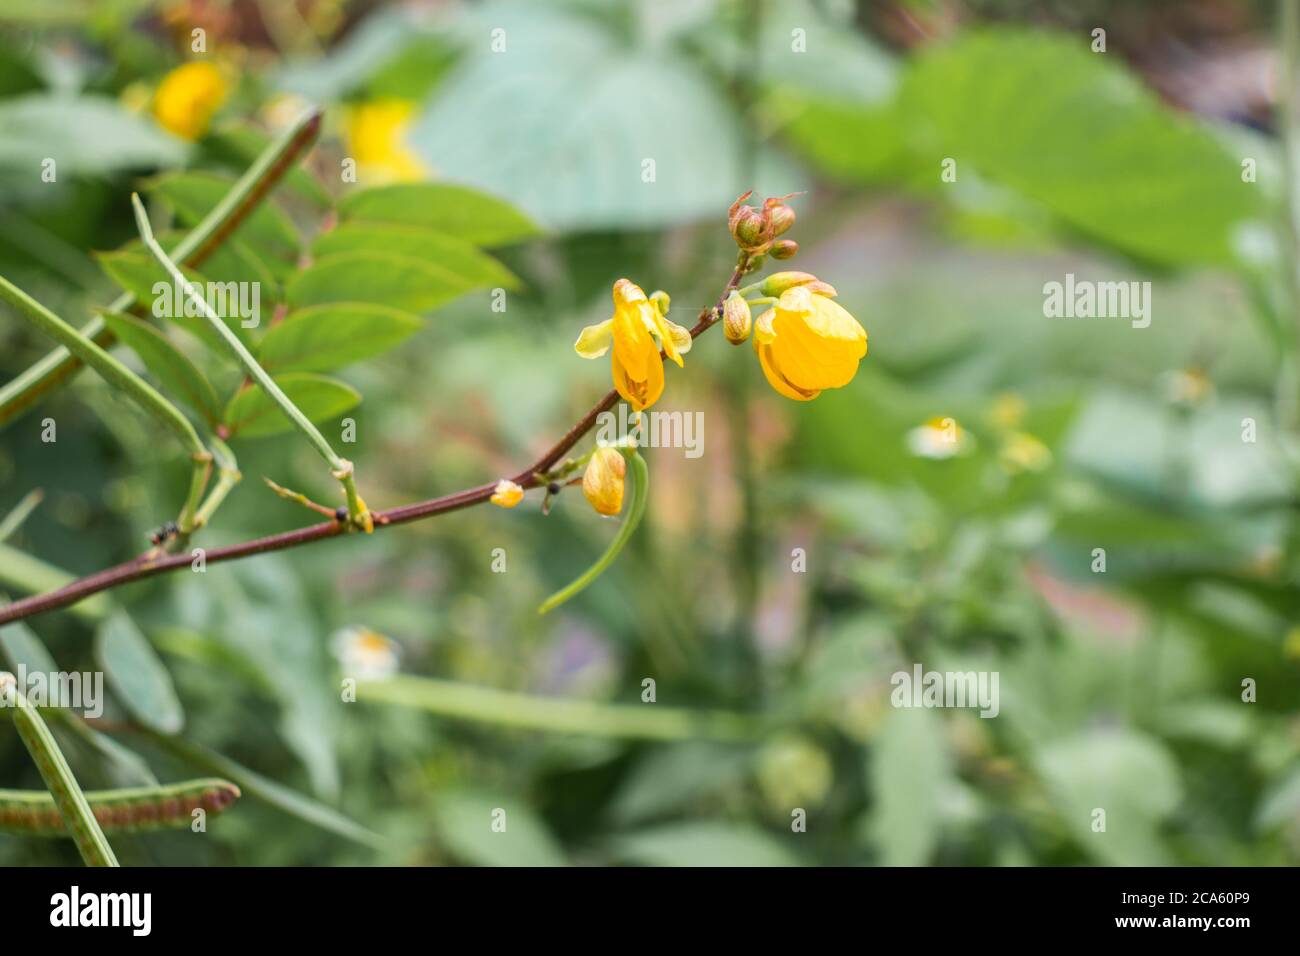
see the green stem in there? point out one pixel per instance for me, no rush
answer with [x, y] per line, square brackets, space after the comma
[122, 378]
[242, 198]
[1289, 27]
[340, 467]
[509, 709]
[66, 792]
[14, 519]
[640, 476]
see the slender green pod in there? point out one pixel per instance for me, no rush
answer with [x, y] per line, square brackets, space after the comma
[134, 810]
[65, 792]
[640, 476]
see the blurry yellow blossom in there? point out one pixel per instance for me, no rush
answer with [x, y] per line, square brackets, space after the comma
[602, 482]
[364, 654]
[507, 494]
[637, 330]
[1023, 452]
[1008, 410]
[1291, 644]
[1188, 386]
[807, 343]
[939, 438]
[187, 97]
[375, 133]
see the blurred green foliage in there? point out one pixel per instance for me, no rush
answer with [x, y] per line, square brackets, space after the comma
[1120, 690]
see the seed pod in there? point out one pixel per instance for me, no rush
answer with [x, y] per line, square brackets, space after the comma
[136, 810]
[737, 320]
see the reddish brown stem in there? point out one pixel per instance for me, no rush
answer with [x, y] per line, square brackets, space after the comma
[149, 565]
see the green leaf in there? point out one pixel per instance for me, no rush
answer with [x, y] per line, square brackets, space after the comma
[456, 255]
[323, 337]
[85, 135]
[139, 274]
[1080, 134]
[178, 376]
[252, 414]
[704, 844]
[458, 211]
[137, 676]
[909, 771]
[1130, 776]
[465, 822]
[382, 278]
[193, 195]
[24, 649]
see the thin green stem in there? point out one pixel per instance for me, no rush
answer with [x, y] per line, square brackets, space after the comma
[340, 467]
[243, 197]
[1288, 384]
[15, 518]
[640, 477]
[591, 718]
[71, 802]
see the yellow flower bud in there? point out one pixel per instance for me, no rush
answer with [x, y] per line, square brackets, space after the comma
[507, 494]
[782, 217]
[602, 482]
[737, 320]
[779, 282]
[785, 249]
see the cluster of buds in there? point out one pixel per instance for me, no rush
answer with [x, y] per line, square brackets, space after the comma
[756, 230]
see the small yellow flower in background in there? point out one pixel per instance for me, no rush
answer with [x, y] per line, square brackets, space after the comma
[364, 654]
[1188, 386]
[375, 133]
[806, 342]
[1023, 452]
[1291, 644]
[507, 494]
[638, 331]
[939, 438]
[602, 482]
[1008, 410]
[187, 98]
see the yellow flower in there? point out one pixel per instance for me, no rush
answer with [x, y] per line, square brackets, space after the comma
[807, 343]
[376, 139]
[602, 482]
[637, 331]
[939, 438]
[507, 494]
[187, 97]
[1023, 452]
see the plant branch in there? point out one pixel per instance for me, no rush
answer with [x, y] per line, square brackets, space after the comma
[149, 565]
[244, 196]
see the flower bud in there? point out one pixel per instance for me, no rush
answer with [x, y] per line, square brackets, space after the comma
[750, 228]
[507, 494]
[736, 318]
[661, 300]
[602, 482]
[779, 282]
[782, 218]
[785, 249]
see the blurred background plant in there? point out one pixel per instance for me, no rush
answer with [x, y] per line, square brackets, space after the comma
[1120, 689]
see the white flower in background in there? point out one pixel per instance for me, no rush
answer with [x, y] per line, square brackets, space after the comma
[364, 654]
[939, 438]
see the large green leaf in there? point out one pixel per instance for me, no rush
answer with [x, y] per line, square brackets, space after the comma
[458, 211]
[383, 278]
[704, 844]
[324, 337]
[252, 413]
[465, 821]
[586, 115]
[909, 771]
[137, 676]
[194, 194]
[84, 135]
[1079, 134]
[1130, 776]
[179, 377]
[452, 253]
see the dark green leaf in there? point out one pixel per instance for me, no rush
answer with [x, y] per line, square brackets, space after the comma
[324, 337]
[456, 255]
[376, 277]
[458, 211]
[179, 376]
[136, 675]
[252, 414]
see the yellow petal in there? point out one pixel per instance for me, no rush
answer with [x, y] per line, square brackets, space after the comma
[507, 494]
[640, 393]
[594, 340]
[778, 381]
